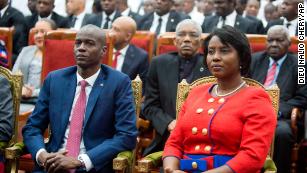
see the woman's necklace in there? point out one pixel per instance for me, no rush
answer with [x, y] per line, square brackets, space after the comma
[231, 92]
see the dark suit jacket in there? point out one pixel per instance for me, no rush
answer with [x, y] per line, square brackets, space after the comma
[136, 63]
[281, 22]
[291, 94]
[96, 19]
[173, 20]
[244, 25]
[258, 24]
[6, 110]
[60, 21]
[70, 20]
[136, 17]
[13, 17]
[109, 125]
[160, 94]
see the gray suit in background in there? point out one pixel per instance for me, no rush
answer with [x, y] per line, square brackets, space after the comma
[6, 110]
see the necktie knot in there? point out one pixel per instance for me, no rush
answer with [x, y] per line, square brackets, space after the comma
[106, 24]
[114, 63]
[288, 24]
[160, 19]
[83, 84]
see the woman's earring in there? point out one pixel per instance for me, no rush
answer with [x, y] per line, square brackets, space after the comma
[240, 67]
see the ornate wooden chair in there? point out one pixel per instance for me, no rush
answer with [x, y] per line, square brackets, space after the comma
[154, 160]
[6, 35]
[144, 40]
[15, 81]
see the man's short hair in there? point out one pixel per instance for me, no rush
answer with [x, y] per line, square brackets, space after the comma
[189, 22]
[282, 29]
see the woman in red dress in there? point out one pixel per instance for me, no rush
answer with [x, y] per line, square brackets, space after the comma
[225, 127]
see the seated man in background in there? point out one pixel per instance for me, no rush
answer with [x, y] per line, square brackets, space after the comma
[277, 66]
[6, 115]
[29, 62]
[128, 58]
[89, 109]
[4, 61]
[164, 74]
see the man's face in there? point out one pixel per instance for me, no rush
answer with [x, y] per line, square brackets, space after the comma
[277, 44]
[188, 6]
[187, 41]
[252, 7]
[72, 6]
[223, 7]
[88, 49]
[32, 5]
[44, 7]
[289, 9]
[108, 6]
[163, 6]
[120, 32]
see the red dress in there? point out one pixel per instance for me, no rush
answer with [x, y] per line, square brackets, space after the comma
[241, 125]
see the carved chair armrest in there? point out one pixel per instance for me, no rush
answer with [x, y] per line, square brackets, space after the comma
[296, 114]
[15, 151]
[150, 162]
[144, 124]
[123, 161]
[3, 145]
[269, 165]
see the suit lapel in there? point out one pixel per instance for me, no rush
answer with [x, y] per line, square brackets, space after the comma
[284, 72]
[237, 22]
[172, 73]
[128, 60]
[199, 69]
[171, 22]
[147, 24]
[263, 69]
[96, 90]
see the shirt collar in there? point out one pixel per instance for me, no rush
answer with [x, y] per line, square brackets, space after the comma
[230, 17]
[164, 17]
[4, 10]
[279, 62]
[126, 12]
[293, 22]
[48, 17]
[81, 15]
[123, 51]
[111, 16]
[90, 80]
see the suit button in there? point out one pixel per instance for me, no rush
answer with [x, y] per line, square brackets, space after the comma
[194, 165]
[207, 148]
[211, 100]
[199, 110]
[221, 100]
[197, 147]
[210, 111]
[204, 131]
[194, 130]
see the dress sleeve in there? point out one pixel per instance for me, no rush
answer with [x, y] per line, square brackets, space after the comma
[259, 121]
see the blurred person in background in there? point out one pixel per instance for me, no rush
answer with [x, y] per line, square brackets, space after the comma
[148, 6]
[190, 9]
[125, 10]
[32, 6]
[76, 13]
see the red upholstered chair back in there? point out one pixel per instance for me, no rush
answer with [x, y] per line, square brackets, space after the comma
[6, 35]
[31, 37]
[58, 51]
[144, 40]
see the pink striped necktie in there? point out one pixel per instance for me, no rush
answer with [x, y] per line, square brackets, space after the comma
[271, 74]
[76, 123]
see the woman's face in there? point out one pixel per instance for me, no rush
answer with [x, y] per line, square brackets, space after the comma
[40, 29]
[222, 60]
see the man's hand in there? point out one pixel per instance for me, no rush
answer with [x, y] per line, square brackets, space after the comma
[171, 126]
[27, 91]
[44, 156]
[61, 163]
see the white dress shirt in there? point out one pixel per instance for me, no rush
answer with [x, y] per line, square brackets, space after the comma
[104, 19]
[197, 16]
[82, 154]
[120, 58]
[79, 20]
[155, 23]
[126, 12]
[4, 10]
[229, 20]
[292, 27]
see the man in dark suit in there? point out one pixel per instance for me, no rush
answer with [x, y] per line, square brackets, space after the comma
[122, 6]
[277, 66]
[76, 13]
[89, 109]
[226, 15]
[128, 58]
[289, 12]
[105, 18]
[162, 19]
[6, 115]
[11, 17]
[44, 10]
[164, 74]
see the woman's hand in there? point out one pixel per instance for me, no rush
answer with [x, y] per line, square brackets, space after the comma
[170, 170]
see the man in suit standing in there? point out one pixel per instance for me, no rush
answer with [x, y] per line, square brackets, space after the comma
[164, 74]
[122, 7]
[89, 109]
[76, 11]
[128, 58]
[277, 66]
[105, 18]
[11, 17]
[162, 19]
[6, 115]
[226, 15]
[290, 20]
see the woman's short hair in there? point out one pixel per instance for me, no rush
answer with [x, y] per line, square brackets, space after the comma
[50, 21]
[235, 38]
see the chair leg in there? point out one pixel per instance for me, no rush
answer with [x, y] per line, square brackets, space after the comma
[294, 158]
